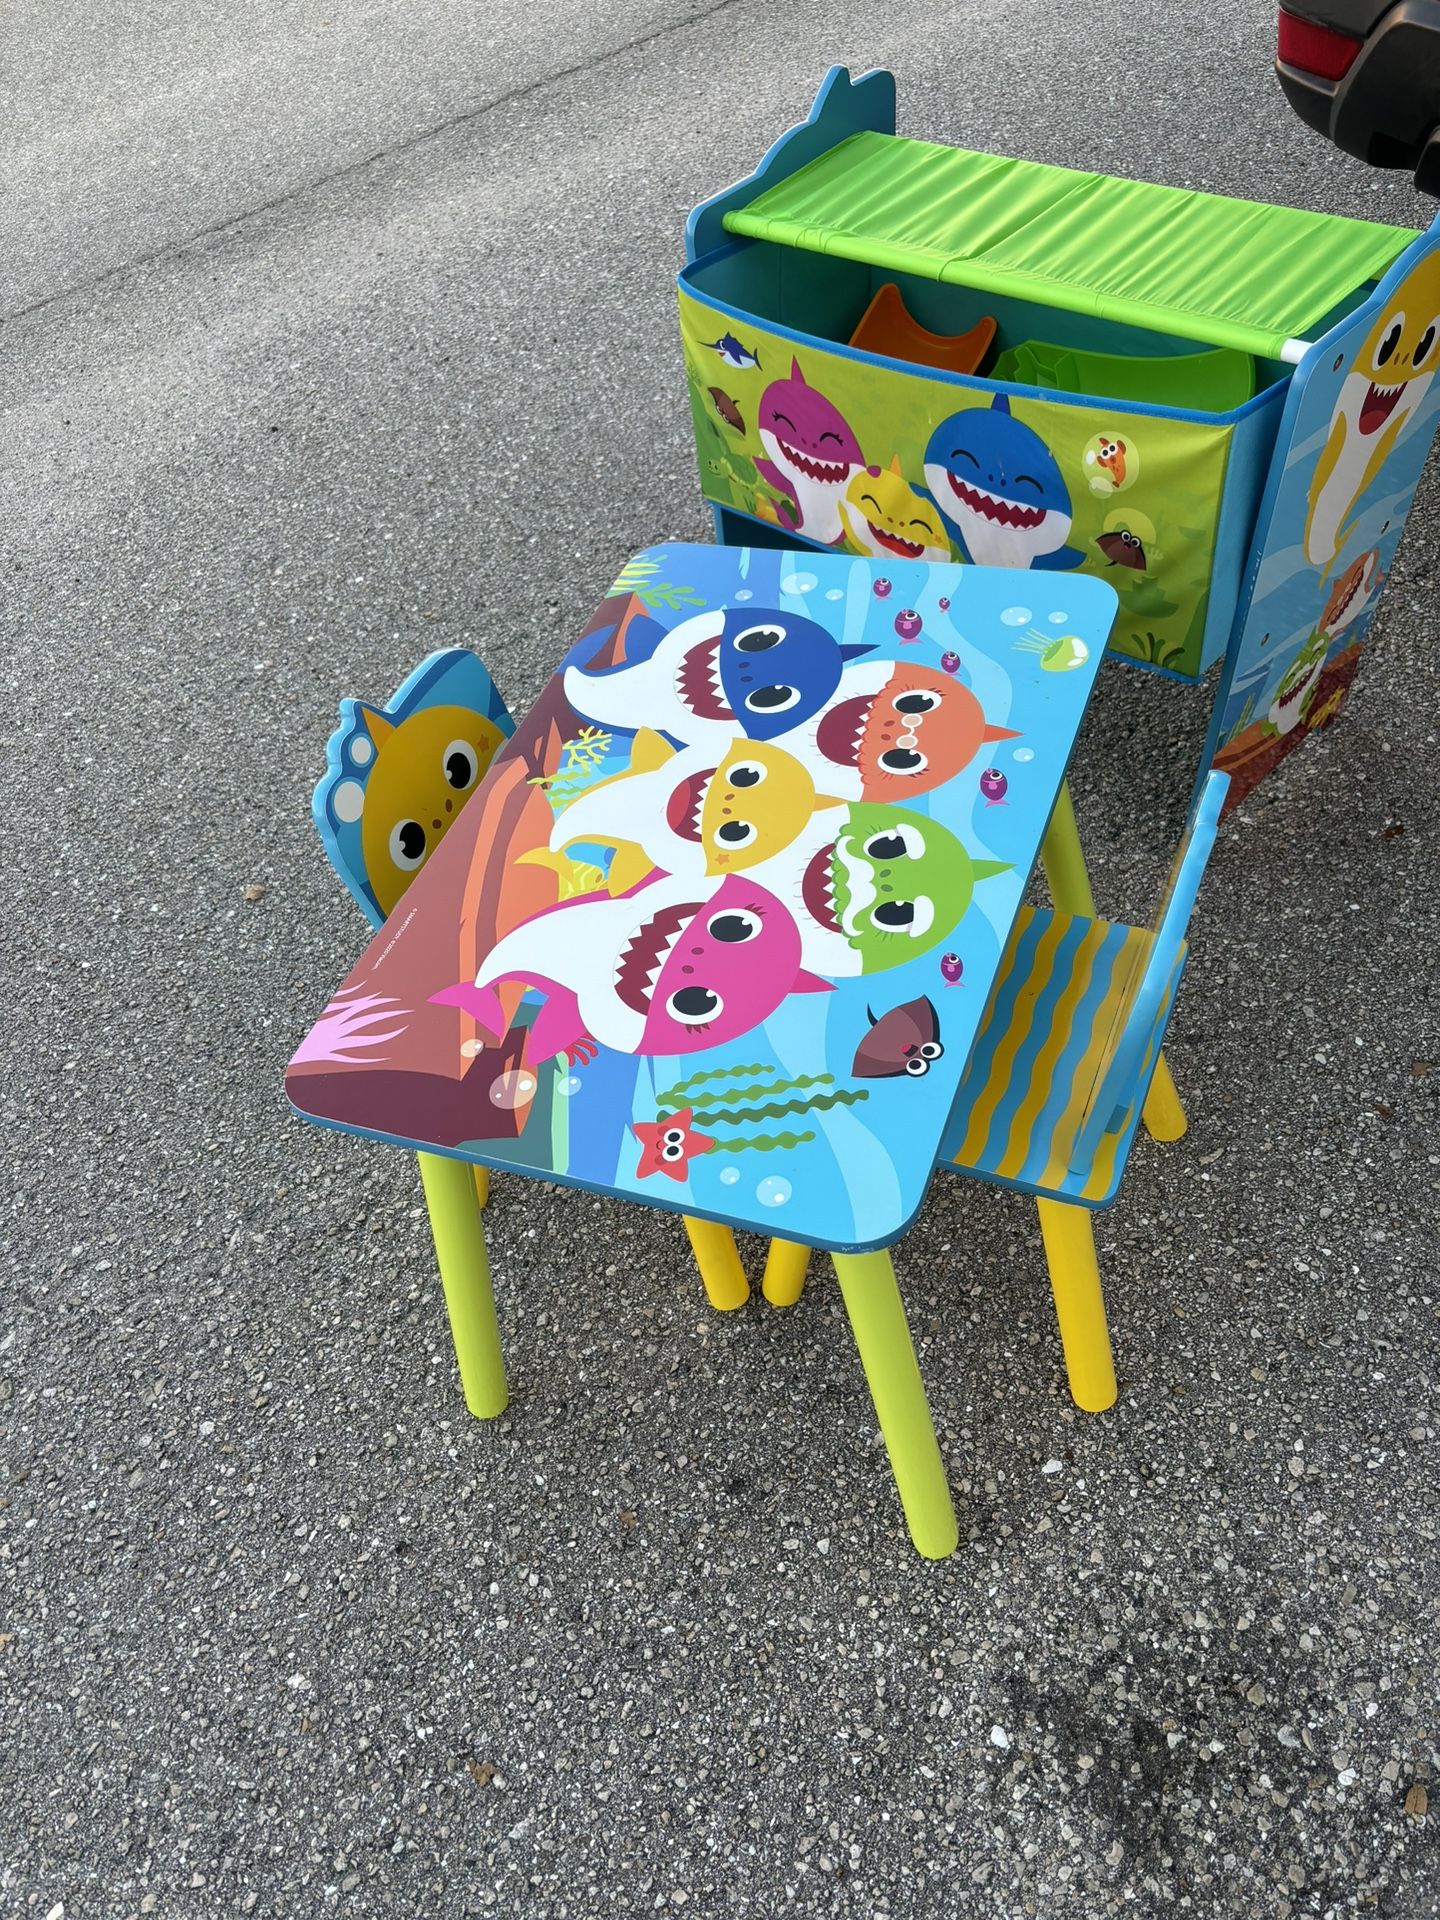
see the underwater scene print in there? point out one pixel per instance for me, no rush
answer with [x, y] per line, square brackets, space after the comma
[1364, 416]
[718, 928]
[870, 457]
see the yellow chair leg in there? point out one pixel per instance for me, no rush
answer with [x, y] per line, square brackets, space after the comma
[1063, 859]
[1162, 1113]
[482, 1185]
[465, 1276]
[1079, 1304]
[714, 1248]
[877, 1319]
[785, 1266]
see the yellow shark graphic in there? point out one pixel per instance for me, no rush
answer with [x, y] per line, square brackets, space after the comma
[680, 813]
[1382, 388]
[885, 517]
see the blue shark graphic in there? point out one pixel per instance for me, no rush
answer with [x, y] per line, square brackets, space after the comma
[752, 667]
[732, 353]
[999, 489]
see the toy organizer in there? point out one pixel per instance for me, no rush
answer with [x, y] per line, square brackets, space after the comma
[906, 350]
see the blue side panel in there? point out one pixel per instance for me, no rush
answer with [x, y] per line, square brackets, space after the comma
[842, 106]
[1252, 447]
[1362, 410]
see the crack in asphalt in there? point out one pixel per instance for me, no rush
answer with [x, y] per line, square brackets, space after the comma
[356, 167]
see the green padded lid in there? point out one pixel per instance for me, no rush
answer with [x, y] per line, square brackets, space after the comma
[1232, 273]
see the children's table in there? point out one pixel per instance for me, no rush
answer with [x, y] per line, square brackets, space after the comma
[717, 930]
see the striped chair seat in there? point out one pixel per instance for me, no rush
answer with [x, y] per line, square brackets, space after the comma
[1066, 988]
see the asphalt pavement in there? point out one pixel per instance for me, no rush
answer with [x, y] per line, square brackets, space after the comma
[340, 333]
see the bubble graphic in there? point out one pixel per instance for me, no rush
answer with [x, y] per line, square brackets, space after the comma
[773, 1192]
[798, 583]
[835, 593]
[1058, 619]
[743, 593]
[1017, 616]
[570, 1084]
[729, 1175]
[1024, 753]
[512, 1089]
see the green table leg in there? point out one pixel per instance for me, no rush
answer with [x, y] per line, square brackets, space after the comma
[877, 1319]
[465, 1276]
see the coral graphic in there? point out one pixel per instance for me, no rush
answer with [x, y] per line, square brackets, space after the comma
[352, 1019]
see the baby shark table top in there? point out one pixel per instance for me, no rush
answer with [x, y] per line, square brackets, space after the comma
[717, 930]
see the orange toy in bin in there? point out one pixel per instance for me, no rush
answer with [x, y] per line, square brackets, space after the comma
[887, 326]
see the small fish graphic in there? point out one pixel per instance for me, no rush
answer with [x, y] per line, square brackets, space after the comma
[1122, 549]
[994, 786]
[951, 968]
[727, 409]
[903, 1041]
[908, 624]
[950, 662]
[732, 353]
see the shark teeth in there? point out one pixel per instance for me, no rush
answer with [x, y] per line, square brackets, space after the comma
[990, 506]
[895, 542]
[823, 472]
[686, 803]
[1378, 405]
[697, 682]
[642, 959]
[841, 731]
[817, 889]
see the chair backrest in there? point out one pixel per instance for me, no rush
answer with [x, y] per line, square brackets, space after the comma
[1139, 1009]
[397, 776]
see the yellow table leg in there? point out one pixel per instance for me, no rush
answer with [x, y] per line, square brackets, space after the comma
[714, 1248]
[1063, 859]
[785, 1266]
[465, 1276]
[877, 1319]
[482, 1185]
[1079, 1304]
[1163, 1114]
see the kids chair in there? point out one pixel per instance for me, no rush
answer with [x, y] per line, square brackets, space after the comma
[1064, 863]
[1061, 1068]
[395, 780]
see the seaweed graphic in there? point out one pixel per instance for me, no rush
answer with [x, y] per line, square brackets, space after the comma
[763, 1142]
[1147, 647]
[637, 577]
[741, 1105]
[354, 1019]
[584, 756]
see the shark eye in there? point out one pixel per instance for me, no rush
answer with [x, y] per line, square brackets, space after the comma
[1389, 341]
[904, 916]
[897, 843]
[1423, 345]
[407, 844]
[917, 700]
[462, 764]
[758, 639]
[694, 1006]
[777, 699]
[905, 760]
[749, 773]
[870, 501]
[931, 1050]
[734, 833]
[915, 1066]
[735, 926]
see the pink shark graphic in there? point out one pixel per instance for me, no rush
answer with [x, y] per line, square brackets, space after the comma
[811, 454]
[673, 966]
